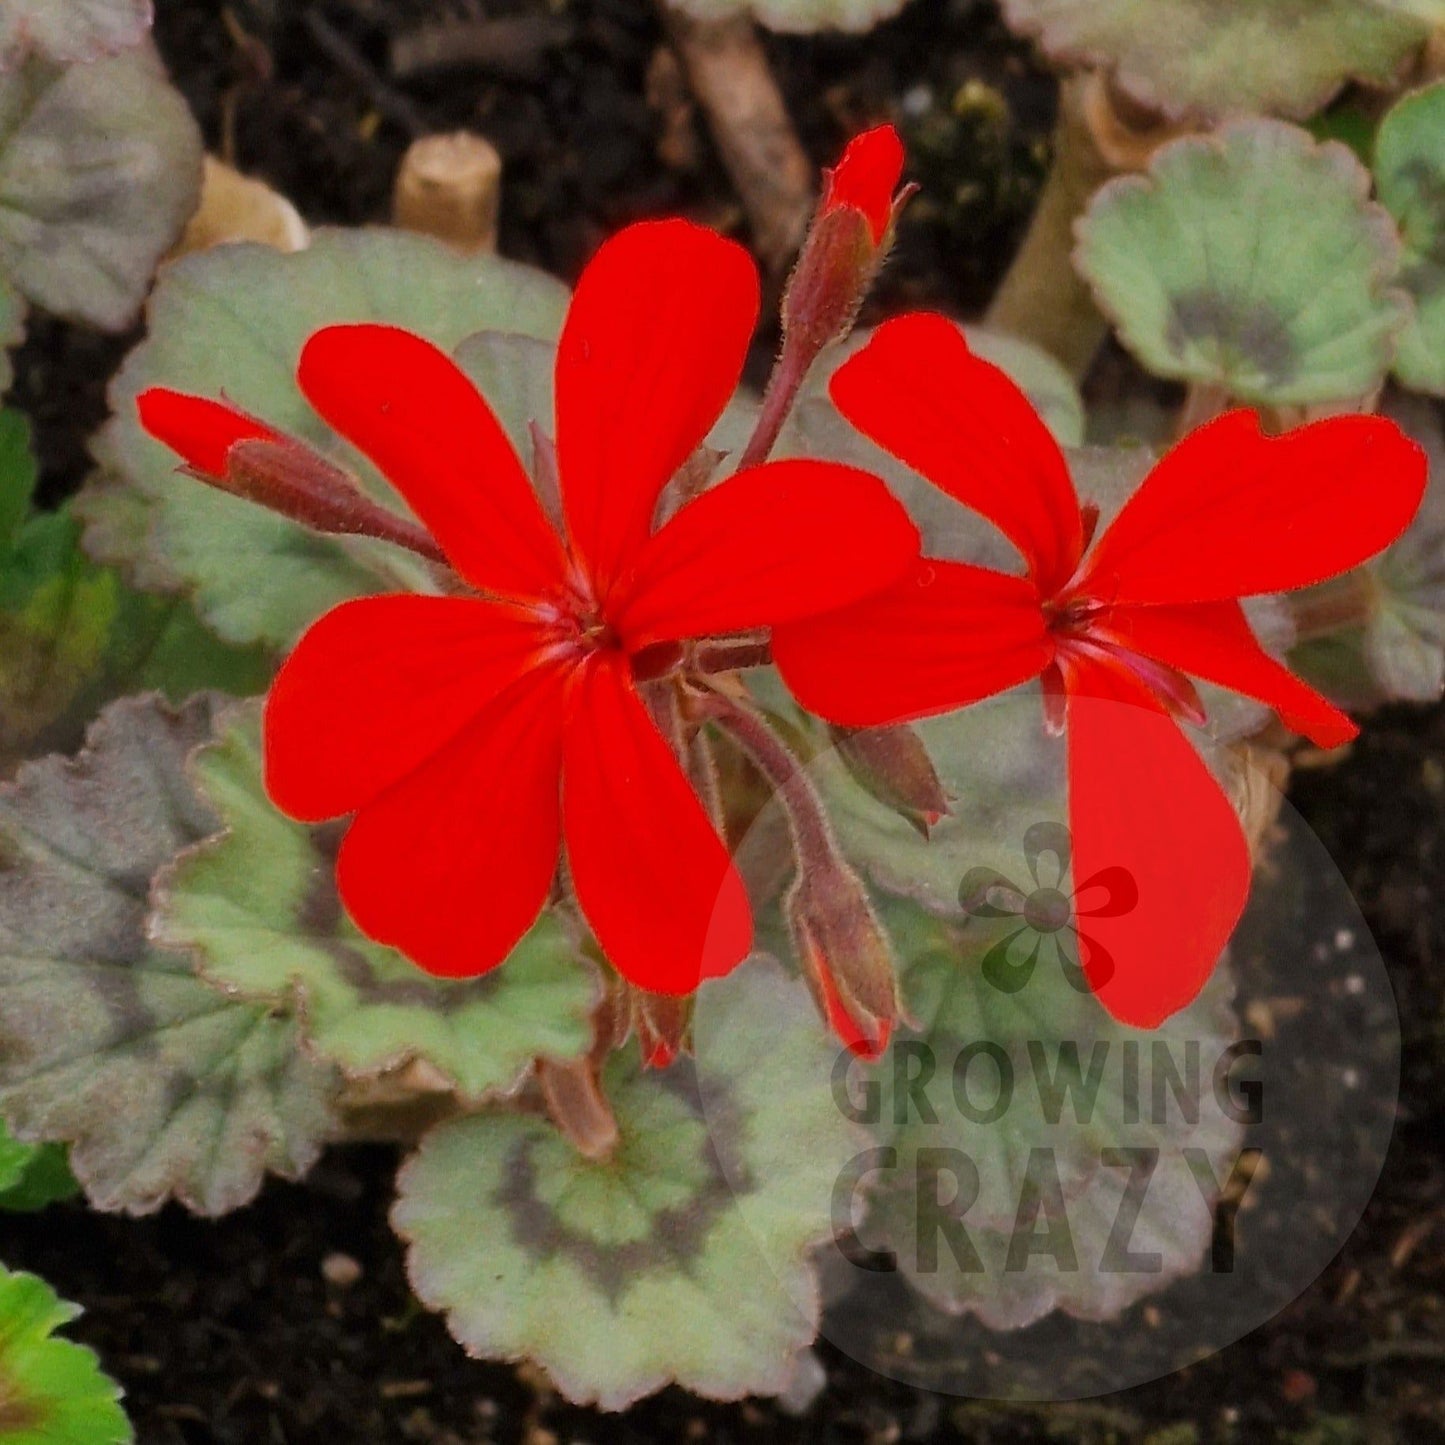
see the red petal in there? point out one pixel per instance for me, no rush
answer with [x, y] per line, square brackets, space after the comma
[651, 354]
[412, 410]
[201, 431]
[652, 875]
[1233, 513]
[454, 863]
[1141, 799]
[379, 685]
[772, 544]
[920, 393]
[1214, 641]
[867, 176]
[945, 636]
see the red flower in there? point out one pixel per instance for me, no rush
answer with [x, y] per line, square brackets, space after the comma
[866, 179]
[471, 734]
[1229, 513]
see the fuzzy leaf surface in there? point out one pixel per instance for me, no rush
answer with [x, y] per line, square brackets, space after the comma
[1211, 59]
[1047, 1107]
[258, 909]
[1198, 263]
[1410, 174]
[100, 168]
[164, 1087]
[233, 321]
[681, 1259]
[66, 31]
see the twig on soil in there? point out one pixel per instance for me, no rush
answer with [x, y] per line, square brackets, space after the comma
[354, 65]
[507, 45]
[729, 73]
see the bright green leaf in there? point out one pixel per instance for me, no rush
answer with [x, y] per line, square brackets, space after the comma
[233, 321]
[100, 167]
[73, 636]
[683, 1257]
[18, 472]
[164, 1087]
[1410, 174]
[258, 907]
[52, 1392]
[32, 1175]
[1199, 263]
[66, 31]
[1209, 59]
[12, 330]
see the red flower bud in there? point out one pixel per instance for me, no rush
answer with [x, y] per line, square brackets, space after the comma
[893, 766]
[664, 1026]
[866, 179]
[233, 452]
[846, 957]
[847, 242]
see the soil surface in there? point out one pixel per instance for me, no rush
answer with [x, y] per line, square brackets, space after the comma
[291, 1321]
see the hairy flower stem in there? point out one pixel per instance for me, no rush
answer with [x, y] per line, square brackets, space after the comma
[789, 371]
[846, 956]
[1043, 298]
[812, 836]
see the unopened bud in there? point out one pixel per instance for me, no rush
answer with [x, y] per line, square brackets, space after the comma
[237, 454]
[846, 957]
[845, 246]
[663, 1025]
[893, 766]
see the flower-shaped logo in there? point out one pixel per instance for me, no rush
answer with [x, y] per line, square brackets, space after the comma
[1049, 915]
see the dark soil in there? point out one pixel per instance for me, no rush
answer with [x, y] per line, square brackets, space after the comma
[250, 1330]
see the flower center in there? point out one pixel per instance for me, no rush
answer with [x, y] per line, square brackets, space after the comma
[1046, 910]
[1080, 628]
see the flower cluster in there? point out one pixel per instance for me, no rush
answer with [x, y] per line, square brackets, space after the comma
[551, 702]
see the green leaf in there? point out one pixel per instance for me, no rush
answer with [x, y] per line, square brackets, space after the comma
[233, 321]
[18, 472]
[1210, 59]
[682, 1258]
[257, 906]
[32, 1175]
[515, 374]
[12, 330]
[73, 636]
[1198, 261]
[798, 16]
[100, 167]
[1046, 1080]
[1410, 174]
[52, 1392]
[164, 1087]
[66, 31]
[1398, 654]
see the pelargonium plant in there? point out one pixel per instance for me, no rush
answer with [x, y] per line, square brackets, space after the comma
[627, 748]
